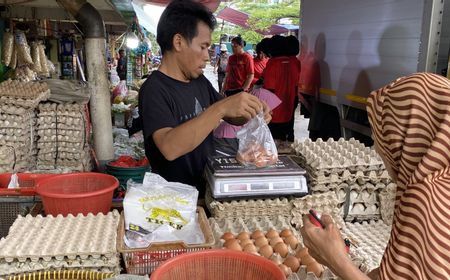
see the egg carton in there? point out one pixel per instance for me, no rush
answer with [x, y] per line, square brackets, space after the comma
[371, 239]
[248, 208]
[337, 155]
[279, 223]
[111, 265]
[322, 203]
[17, 89]
[387, 203]
[49, 237]
[359, 177]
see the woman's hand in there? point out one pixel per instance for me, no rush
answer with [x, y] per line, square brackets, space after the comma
[324, 244]
[328, 248]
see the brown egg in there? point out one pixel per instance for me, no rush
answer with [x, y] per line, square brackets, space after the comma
[291, 241]
[229, 242]
[275, 240]
[257, 233]
[306, 260]
[302, 253]
[266, 251]
[250, 248]
[272, 233]
[315, 268]
[245, 242]
[292, 262]
[286, 270]
[281, 249]
[243, 235]
[286, 232]
[234, 246]
[261, 241]
[227, 235]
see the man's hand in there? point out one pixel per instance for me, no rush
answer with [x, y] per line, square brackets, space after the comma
[241, 105]
[267, 112]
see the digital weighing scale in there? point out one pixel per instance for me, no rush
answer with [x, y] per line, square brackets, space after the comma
[228, 178]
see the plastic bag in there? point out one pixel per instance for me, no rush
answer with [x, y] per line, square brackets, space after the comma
[256, 145]
[8, 47]
[22, 49]
[35, 56]
[119, 92]
[13, 62]
[156, 203]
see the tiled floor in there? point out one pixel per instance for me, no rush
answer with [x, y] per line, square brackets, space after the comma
[300, 125]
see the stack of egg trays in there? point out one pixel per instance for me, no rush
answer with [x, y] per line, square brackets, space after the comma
[235, 226]
[348, 168]
[18, 131]
[387, 203]
[371, 239]
[321, 202]
[6, 158]
[248, 208]
[23, 94]
[63, 138]
[52, 243]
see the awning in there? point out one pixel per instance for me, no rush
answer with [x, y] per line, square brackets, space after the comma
[241, 19]
[211, 4]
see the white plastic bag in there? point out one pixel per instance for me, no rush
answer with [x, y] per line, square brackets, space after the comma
[35, 56]
[22, 49]
[256, 145]
[8, 46]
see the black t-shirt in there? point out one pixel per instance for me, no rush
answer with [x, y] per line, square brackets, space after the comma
[166, 102]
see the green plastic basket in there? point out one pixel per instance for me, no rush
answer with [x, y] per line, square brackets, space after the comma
[123, 174]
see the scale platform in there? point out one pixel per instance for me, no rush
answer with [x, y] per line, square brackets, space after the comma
[228, 178]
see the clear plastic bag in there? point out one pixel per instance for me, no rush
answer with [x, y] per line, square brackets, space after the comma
[8, 47]
[35, 56]
[22, 49]
[256, 145]
[43, 59]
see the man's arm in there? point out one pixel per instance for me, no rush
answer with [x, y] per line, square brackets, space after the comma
[248, 81]
[178, 141]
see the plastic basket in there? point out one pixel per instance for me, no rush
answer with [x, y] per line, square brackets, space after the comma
[221, 264]
[27, 183]
[143, 261]
[77, 193]
[124, 173]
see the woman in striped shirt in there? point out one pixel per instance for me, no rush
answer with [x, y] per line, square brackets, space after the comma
[410, 121]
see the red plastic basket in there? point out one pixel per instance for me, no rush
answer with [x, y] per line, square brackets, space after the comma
[77, 193]
[222, 264]
[27, 183]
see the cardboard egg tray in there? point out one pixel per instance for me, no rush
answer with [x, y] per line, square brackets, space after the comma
[387, 203]
[63, 137]
[322, 203]
[236, 226]
[371, 239]
[35, 243]
[23, 94]
[334, 156]
[7, 158]
[248, 208]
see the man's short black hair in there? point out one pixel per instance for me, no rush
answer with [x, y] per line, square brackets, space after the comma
[239, 40]
[182, 17]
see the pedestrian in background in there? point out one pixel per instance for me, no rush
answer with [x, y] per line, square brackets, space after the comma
[221, 65]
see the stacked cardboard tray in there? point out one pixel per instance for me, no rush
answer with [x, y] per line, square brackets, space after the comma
[52, 243]
[355, 172]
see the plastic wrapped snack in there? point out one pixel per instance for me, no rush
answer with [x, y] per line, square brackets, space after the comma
[8, 47]
[22, 49]
[256, 145]
[13, 62]
[35, 56]
[45, 71]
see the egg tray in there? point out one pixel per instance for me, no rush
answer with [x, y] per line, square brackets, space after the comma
[47, 238]
[17, 89]
[248, 208]
[387, 203]
[111, 265]
[235, 226]
[359, 177]
[336, 155]
[371, 239]
[322, 203]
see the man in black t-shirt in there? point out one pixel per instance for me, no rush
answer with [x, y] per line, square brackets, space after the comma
[178, 105]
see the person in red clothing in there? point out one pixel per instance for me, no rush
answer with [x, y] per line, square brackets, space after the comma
[239, 69]
[281, 77]
[259, 63]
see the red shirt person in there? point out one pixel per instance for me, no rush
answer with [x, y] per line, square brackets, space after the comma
[239, 69]
[259, 64]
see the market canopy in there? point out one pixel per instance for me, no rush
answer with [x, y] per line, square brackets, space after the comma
[241, 19]
[211, 4]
